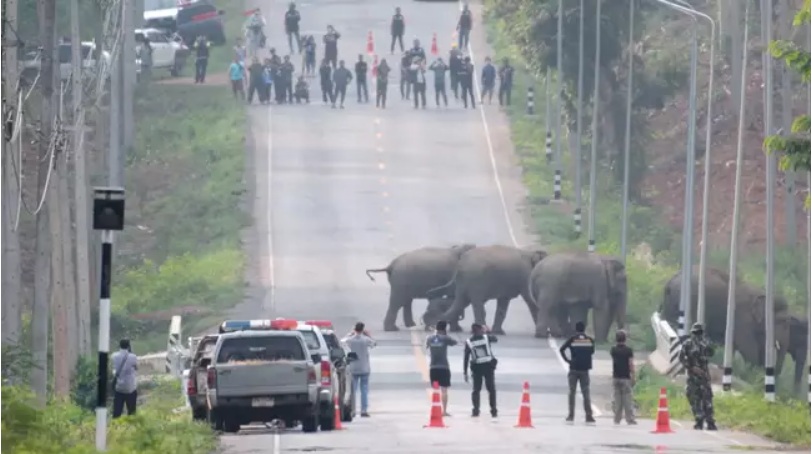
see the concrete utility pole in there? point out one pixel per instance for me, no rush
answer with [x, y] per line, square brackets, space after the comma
[596, 100]
[769, 303]
[114, 156]
[558, 83]
[548, 112]
[727, 378]
[128, 75]
[628, 140]
[576, 216]
[785, 19]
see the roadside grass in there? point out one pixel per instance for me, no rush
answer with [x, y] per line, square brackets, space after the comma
[786, 421]
[66, 428]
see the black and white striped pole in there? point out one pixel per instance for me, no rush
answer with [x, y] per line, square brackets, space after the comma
[531, 101]
[548, 146]
[108, 216]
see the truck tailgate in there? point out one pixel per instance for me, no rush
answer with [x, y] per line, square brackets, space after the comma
[262, 379]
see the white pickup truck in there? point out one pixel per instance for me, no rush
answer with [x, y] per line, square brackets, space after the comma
[262, 376]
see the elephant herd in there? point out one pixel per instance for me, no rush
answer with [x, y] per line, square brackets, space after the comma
[558, 289]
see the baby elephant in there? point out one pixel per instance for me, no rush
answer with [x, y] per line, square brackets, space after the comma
[436, 308]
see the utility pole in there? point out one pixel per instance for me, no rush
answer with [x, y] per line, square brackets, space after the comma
[785, 19]
[128, 74]
[576, 216]
[558, 83]
[769, 303]
[114, 161]
[628, 140]
[596, 98]
[727, 378]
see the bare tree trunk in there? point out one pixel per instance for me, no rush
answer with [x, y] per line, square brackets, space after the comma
[11, 287]
[68, 268]
[46, 11]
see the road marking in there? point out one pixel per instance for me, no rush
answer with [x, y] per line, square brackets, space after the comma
[269, 143]
[379, 149]
[381, 165]
[385, 209]
[277, 443]
[505, 211]
[382, 180]
[378, 135]
[385, 194]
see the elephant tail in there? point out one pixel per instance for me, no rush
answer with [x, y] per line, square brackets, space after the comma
[441, 291]
[386, 270]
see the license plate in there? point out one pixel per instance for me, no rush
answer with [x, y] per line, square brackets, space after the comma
[262, 402]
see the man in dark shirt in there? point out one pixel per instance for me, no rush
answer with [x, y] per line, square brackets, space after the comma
[483, 366]
[622, 379]
[255, 79]
[505, 83]
[405, 84]
[201, 47]
[286, 72]
[341, 78]
[381, 84]
[581, 348]
[464, 26]
[398, 28]
[439, 369]
[439, 69]
[466, 78]
[326, 77]
[361, 68]
[454, 66]
[488, 80]
[292, 18]
[331, 45]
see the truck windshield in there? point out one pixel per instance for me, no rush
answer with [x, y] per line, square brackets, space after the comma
[311, 339]
[269, 348]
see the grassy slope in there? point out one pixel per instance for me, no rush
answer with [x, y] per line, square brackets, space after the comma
[646, 276]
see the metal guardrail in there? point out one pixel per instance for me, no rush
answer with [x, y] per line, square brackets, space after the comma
[173, 361]
[668, 346]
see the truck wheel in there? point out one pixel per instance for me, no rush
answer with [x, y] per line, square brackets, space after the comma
[327, 422]
[310, 423]
[215, 420]
[199, 413]
[231, 426]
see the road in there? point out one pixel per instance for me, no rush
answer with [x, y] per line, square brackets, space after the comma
[340, 191]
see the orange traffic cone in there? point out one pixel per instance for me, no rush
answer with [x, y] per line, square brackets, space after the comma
[436, 417]
[524, 408]
[375, 67]
[337, 419]
[434, 50]
[370, 44]
[663, 419]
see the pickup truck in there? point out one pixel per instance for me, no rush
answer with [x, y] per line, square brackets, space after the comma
[262, 376]
[202, 356]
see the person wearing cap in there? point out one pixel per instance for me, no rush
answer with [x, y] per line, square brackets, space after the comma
[125, 389]
[483, 366]
[581, 348]
[622, 379]
[360, 342]
[694, 356]
[439, 370]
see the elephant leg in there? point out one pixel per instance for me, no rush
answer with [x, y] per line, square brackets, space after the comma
[578, 312]
[542, 317]
[408, 316]
[479, 311]
[454, 326]
[499, 316]
[560, 328]
[396, 302]
[531, 306]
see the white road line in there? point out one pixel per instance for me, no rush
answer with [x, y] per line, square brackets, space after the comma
[271, 308]
[505, 211]
[277, 443]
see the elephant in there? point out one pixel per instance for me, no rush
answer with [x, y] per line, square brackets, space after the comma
[567, 285]
[749, 333]
[436, 308]
[485, 273]
[798, 345]
[414, 273]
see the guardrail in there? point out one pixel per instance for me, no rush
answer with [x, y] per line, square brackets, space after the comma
[665, 357]
[173, 361]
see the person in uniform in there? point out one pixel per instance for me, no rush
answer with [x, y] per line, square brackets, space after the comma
[326, 78]
[694, 356]
[581, 348]
[465, 75]
[439, 370]
[439, 67]
[454, 66]
[292, 18]
[488, 80]
[464, 26]
[483, 366]
[341, 78]
[331, 45]
[361, 69]
[398, 28]
[418, 73]
[505, 83]
[286, 73]
[405, 85]
[417, 51]
[381, 83]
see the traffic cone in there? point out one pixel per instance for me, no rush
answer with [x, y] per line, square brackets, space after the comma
[370, 44]
[434, 50]
[524, 408]
[663, 419]
[375, 67]
[337, 418]
[436, 417]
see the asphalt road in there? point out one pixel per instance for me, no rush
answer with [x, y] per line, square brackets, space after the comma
[340, 191]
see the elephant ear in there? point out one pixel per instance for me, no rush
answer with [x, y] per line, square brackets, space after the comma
[757, 309]
[537, 256]
[614, 270]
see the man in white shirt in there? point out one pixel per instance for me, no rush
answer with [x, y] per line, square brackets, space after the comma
[125, 364]
[360, 342]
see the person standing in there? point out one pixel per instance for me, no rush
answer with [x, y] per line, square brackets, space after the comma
[581, 348]
[622, 379]
[405, 85]
[454, 67]
[398, 28]
[488, 80]
[310, 55]
[236, 73]
[145, 53]
[505, 83]
[275, 60]
[439, 370]
[465, 75]
[292, 18]
[360, 342]
[331, 45]
[483, 366]
[416, 51]
[419, 80]
[326, 77]
[286, 75]
[255, 79]
[439, 68]
[361, 69]
[694, 356]
[341, 78]
[125, 389]
[239, 50]
[381, 83]
[201, 47]
[464, 26]
[267, 79]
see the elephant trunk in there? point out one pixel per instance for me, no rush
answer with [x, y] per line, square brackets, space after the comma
[442, 291]
[455, 311]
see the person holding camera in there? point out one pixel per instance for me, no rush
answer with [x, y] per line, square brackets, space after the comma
[360, 342]
[483, 366]
[125, 392]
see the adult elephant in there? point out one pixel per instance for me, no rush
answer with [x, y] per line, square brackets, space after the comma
[566, 286]
[798, 345]
[749, 334]
[485, 273]
[414, 273]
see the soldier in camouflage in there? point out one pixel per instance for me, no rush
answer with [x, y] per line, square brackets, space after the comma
[695, 354]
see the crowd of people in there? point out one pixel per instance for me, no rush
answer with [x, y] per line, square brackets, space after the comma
[276, 76]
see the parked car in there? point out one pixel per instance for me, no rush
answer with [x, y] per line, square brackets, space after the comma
[168, 51]
[190, 21]
[196, 386]
[341, 356]
[31, 61]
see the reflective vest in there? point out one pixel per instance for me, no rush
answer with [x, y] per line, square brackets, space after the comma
[480, 350]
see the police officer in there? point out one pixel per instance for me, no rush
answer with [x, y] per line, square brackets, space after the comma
[292, 18]
[398, 28]
[326, 77]
[361, 69]
[417, 51]
[454, 66]
[483, 366]
[505, 83]
[581, 348]
[694, 356]
[464, 26]
[465, 75]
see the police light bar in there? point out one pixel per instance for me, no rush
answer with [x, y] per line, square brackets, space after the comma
[281, 323]
[320, 323]
[229, 326]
